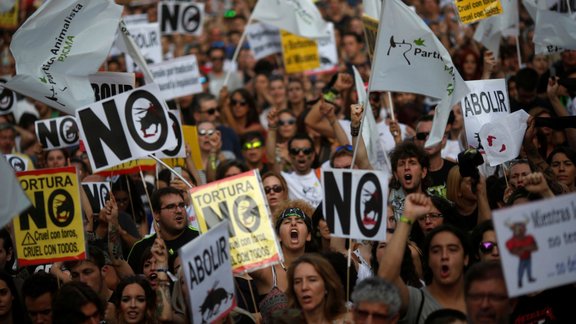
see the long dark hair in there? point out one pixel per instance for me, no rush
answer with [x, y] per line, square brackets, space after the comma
[148, 292]
[16, 309]
[252, 116]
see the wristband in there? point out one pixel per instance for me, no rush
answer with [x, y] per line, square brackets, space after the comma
[354, 131]
[406, 220]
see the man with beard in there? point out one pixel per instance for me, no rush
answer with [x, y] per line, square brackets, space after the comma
[410, 166]
[445, 255]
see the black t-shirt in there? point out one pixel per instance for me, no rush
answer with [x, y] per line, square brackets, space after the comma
[550, 306]
[439, 178]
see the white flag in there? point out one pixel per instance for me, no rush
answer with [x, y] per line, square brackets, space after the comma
[376, 154]
[6, 5]
[410, 58]
[544, 45]
[372, 8]
[59, 46]
[502, 138]
[299, 17]
[489, 31]
[555, 28]
[13, 200]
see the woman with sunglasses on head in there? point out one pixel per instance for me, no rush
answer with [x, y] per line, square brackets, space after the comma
[240, 112]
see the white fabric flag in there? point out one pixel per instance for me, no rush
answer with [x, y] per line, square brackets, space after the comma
[6, 5]
[489, 31]
[376, 154]
[372, 8]
[59, 46]
[410, 58]
[299, 17]
[13, 200]
[555, 28]
[502, 138]
[541, 46]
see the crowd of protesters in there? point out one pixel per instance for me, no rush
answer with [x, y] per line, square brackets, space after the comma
[440, 262]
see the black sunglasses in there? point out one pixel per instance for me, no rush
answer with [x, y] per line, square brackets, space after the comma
[217, 58]
[210, 111]
[290, 121]
[275, 188]
[296, 151]
[487, 247]
[422, 136]
[235, 102]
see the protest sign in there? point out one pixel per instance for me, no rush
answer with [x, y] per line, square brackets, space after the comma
[178, 151]
[7, 98]
[57, 132]
[13, 200]
[487, 101]
[9, 17]
[370, 32]
[52, 229]
[109, 84]
[19, 162]
[355, 203]
[181, 17]
[300, 54]
[537, 243]
[208, 274]
[136, 19]
[474, 10]
[502, 138]
[191, 138]
[264, 40]
[147, 39]
[125, 127]
[327, 51]
[178, 77]
[98, 193]
[129, 167]
[239, 199]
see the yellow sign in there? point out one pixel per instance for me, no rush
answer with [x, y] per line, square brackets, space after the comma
[190, 138]
[52, 229]
[370, 32]
[240, 199]
[9, 19]
[129, 167]
[300, 54]
[474, 10]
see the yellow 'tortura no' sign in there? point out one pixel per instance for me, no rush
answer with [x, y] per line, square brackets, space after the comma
[474, 10]
[51, 230]
[240, 199]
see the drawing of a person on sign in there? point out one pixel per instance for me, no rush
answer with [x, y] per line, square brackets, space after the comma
[522, 245]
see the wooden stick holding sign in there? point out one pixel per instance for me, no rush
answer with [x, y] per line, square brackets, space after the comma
[173, 171]
[237, 50]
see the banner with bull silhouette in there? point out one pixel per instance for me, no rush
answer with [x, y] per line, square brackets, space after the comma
[125, 127]
[355, 203]
[51, 230]
[239, 199]
[537, 244]
[208, 273]
[59, 132]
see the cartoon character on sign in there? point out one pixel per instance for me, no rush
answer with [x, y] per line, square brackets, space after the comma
[152, 117]
[522, 246]
[393, 44]
[215, 298]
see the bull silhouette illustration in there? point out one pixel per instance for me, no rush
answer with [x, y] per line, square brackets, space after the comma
[214, 299]
[152, 116]
[372, 205]
[64, 209]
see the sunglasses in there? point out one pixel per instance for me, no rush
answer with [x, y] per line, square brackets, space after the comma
[210, 111]
[347, 148]
[422, 136]
[217, 58]
[204, 132]
[252, 145]
[305, 150]
[275, 188]
[235, 102]
[487, 247]
[290, 121]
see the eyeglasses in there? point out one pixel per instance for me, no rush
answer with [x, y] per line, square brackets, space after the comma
[363, 315]
[305, 150]
[220, 58]
[421, 136]
[204, 132]
[290, 121]
[210, 111]
[235, 102]
[275, 188]
[431, 216]
[347, 148]
[174, 206]
[494, 298]
[252, 145]
[487, 247]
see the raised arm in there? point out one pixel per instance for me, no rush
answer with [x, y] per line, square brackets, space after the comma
[357, 139]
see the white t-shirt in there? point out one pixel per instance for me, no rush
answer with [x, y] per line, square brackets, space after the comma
[307, 187]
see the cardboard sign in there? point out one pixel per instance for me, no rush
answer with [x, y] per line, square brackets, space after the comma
[98, 193]
[355, 203]
[7, 98]
[129, 167]
[109, 84]
[208, 274]
[474, 10]
[537, 244]
[52, 229]
[264, 40]
[125, 127]
[9, 18]
[19, 162]
[328, 52]
[178, 77]
[370, 32]
[178, 151]
[239, 199]
[57, 132]
[181, 17]
[191, 138]
[300, 54]
[487, 101]
[147, 40]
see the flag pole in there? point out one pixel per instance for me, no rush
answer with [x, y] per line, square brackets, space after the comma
[172, 170]
[237, 50]
[518, 52]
